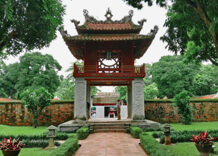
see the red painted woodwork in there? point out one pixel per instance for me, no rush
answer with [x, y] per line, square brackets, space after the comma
[117, 41]
[91, 71]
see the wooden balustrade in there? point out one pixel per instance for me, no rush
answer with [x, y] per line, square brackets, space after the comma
[81, 71]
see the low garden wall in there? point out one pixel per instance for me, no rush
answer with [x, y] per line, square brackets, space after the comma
[14, 113]
[163, 110]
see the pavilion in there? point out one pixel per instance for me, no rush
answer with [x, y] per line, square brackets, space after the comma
[108, 49]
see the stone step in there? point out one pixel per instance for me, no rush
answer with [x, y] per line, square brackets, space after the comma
[109, 127]
[109, 130]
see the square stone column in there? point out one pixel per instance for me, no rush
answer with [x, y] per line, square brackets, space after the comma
[80, 105]
[88, 102]
[129, 101]
[138, 111]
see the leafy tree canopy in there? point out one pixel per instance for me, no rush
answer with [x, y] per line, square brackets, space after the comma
[36, 100]
[33, 71]
[206, 82]
[192, 28]
[28, 24]
[123, 92]
[147, 79]
[172, 75]
[8, 79]
[150, 91]
[66, 90]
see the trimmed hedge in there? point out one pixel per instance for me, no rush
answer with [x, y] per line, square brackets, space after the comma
[183, 136]
[82, 133]
[135, 131]
[68, 148]
[37, 143]
[59, 136]
[152, 146]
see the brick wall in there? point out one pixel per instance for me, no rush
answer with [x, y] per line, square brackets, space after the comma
[163, 111]
[14, 113]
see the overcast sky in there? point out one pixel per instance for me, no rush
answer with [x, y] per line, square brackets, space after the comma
[97, 8]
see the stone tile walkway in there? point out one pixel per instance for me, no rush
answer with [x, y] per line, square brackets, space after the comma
[110, 144]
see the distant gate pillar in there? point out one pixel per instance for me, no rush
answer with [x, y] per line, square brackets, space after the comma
[80, 107]
[129, 101]
[138, 111]
[88, 102]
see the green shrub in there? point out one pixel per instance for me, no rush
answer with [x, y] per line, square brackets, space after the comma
[59, 136]
[184, 108]
[135, 131]
[35, 100]
[82, 133]
[162, 139]
[68, 148]
[173, 139]
[155, 135]
[148, 130]
[37, 143]
[152, 146]
[183, 136]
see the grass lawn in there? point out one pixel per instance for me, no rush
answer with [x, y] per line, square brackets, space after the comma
[33, 152]
[196, 126]
[186, 149]
[15, 130]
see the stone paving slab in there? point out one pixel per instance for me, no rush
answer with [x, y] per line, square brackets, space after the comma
[110, 144]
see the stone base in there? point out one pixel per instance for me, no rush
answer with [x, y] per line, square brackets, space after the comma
[50, 148]
[167, 140]
[73, 126]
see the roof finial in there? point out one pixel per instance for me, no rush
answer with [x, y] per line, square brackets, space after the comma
[87, 17]
[108, 15]
[130, 13]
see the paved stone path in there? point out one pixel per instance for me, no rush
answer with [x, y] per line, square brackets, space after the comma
[110, 144]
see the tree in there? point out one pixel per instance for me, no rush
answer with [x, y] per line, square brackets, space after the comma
[36, 100]
[37, 70]
[8, 77]
[192, 28]
[71, 70]
[182, 102]
[206, 82]
[172, 75]
[28, 24]
[123, 92]
[150, 91]
[66, 90]
[34, 70]
[70, 77]
[3, 92]
[148, 77]
[94, 91]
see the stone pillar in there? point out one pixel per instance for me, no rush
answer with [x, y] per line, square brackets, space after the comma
[80, 107]
[138, 111]
[88, 101]
[129, 101]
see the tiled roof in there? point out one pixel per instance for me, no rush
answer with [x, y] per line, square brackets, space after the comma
[109, 26]
[213, 96]
[109, 37]
[5, 99]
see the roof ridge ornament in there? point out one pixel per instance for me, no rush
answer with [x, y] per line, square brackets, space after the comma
[87, 17]
[154, 30]
[76, 23]
[127, 19]
[141, 23]
[108, 15]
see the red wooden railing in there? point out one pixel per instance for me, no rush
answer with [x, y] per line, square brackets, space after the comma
[91, 70]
